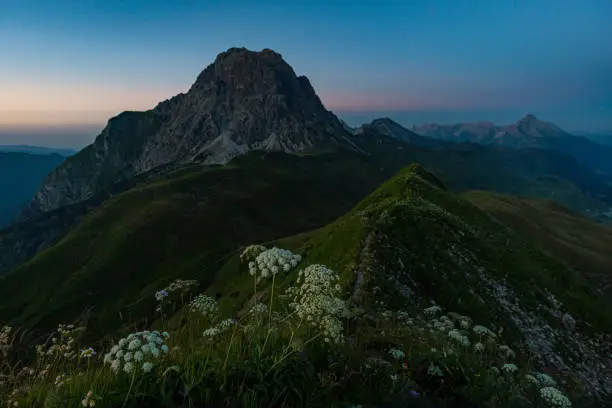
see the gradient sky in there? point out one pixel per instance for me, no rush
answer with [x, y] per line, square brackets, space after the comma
[66, 66]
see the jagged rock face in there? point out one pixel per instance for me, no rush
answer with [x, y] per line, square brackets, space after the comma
[244, 101]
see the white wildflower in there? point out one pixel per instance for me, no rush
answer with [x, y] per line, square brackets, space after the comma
[128, 367]
[481, 330]
[251, 252]
[555, 398]
[316, 301]
[397, 354]
[509, 368]
[88, 353]
[161, 295]
[205, 305]
[271, 261]
[434, 370]
[545, 380]
[147, 367]
[136, 348]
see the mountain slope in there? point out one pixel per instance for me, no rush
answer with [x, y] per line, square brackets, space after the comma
[20, 176]
[531, 172]
[582, 244]
[243, 101]
[184, 225]
[527, 132]
[408, 242]
[389, 128]
[411, 241]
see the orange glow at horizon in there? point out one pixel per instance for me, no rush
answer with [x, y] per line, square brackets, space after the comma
[37, 106]
[33, 105]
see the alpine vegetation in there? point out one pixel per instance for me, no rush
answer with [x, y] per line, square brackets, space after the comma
[137, 351]
[302, 346]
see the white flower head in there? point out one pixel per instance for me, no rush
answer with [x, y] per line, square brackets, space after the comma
[554, 397]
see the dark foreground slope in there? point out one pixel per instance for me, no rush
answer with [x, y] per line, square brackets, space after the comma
[582, 244]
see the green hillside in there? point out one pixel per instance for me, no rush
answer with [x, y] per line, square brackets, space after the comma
[505, 312]
[185, 225]
[582, 244]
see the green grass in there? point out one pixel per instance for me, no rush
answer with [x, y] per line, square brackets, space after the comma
[580, 243]
[411, 232]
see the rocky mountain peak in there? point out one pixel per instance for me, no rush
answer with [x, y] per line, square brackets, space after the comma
[245, 100]
[528, 118]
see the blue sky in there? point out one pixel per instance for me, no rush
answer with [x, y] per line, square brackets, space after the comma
[69, 65]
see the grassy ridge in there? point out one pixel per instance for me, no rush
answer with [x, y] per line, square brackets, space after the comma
[407, 244]
[582, 244]
[182, 226]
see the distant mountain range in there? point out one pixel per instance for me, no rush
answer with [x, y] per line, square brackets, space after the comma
[527, 132]
[36, 150]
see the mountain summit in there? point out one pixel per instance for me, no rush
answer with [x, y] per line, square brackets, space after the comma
[244, 101]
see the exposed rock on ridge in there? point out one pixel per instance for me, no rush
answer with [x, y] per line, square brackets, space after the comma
[244, 101]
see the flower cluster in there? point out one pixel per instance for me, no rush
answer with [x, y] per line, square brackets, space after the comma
[137, 349]
[545, 380]
[316, 300]
[396, 354]
[62, 343]
[459, 338]
[434, 370]
[443, 324]
[554, 397]
[251, 252]
[509, 368]
[272, 261]
[161, 295]
[481, 330]
[205, 305]
[88, 353]
[432, 311]
[223, 326]
[5, 340]
[258, 308]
